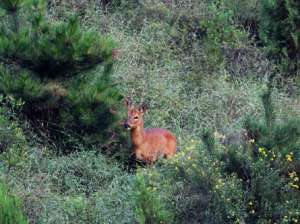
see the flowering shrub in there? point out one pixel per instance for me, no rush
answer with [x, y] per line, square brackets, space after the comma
[149, 206]
[256, 181]
[193, 188]
[268, 163]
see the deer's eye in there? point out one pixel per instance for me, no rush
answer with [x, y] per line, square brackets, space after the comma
[135, 118]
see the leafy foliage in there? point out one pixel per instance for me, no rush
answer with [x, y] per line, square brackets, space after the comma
[253, 182]
[81, 187]
[200, 71]
[271, 134]
[149, 207]
[10, 208]
[279, 30]
[54, 49]
[13, 144]
[11, 5]
[44, 59]
[268, 165]
[82, 107]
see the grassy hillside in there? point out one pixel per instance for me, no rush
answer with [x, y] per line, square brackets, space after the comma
[209, 71]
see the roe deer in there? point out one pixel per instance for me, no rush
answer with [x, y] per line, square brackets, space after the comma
[147, 144]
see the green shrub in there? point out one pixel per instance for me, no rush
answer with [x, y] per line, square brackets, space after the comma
[61, 102]
[83, 172]
[116, 204]
[81, 187]
[266, 192]
[268, 165]
[244, 182]
[54, 49]
[271, 133]
[221, 33]
[91, 101]
[279, 30]
[149, 207]
[13, 145]
[192, 188]
[10, 208]
[202, 34]
[81, 110]
[23, 86]
[245, 13]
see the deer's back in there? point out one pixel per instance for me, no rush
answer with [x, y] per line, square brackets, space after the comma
[160, 142]
[159, 135]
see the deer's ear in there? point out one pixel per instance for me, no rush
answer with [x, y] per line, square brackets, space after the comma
[128, 102]
[143, 108]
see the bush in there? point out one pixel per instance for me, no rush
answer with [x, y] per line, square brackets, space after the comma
[270, 133]
[82, 173]
[53, 49]
[13, 144]
[149, 206]
[82, 187]
[279, 31]
[43, 66]
[267, 164]
[193, 189]
[10, 208]
[243, 181]
[80, 112]
[255, 180]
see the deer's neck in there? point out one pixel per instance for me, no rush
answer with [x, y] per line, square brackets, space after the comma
[137, 135]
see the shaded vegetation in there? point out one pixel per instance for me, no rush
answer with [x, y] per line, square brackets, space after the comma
[42, 60]
[10, 209]
[221, 75]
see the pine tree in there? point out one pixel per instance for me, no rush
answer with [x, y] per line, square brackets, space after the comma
[272, 133]
[279, 30]
[268, 164]
[51, 67]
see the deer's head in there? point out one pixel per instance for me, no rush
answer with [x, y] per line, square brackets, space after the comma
[134, 114]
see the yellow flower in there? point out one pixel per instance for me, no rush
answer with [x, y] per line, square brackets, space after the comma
[251, 141]
[250, 203]
[292, 185]
[262, 151]
[292, 174]
[289, 157]
[273, 155]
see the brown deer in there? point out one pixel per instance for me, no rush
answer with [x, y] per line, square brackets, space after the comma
[147, 144]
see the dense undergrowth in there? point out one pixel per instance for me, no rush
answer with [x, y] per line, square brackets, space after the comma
[210, 71]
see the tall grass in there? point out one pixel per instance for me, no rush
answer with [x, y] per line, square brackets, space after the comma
[10, 208]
